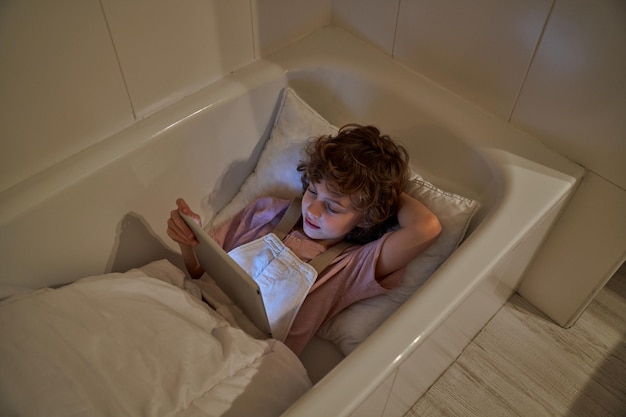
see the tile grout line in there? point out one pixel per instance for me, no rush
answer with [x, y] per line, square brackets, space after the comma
[119, 63]
[531, 61]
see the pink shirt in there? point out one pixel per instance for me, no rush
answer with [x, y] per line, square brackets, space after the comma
[348, 279]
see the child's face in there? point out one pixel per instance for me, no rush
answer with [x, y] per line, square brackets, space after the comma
[327, 215]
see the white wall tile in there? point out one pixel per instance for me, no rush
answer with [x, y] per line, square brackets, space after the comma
[574, 98]
[61, 86]
[372, 20]
[169, 49]
[280, 22]
[478, 49]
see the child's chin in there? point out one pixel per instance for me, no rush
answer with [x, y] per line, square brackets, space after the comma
[312, 233]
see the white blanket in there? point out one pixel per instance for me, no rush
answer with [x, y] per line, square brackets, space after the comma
[132, 345]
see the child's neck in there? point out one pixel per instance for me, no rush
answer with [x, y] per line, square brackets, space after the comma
[326, 243]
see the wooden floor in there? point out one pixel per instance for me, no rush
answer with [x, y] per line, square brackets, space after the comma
[522, 364]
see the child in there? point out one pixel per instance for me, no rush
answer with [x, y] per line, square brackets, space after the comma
[353, 186]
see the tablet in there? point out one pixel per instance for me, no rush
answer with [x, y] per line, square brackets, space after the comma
[236, 283]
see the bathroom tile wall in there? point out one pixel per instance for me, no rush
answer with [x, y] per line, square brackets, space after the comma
[574, 97]
[280, 22]
[372, 20]
[77, 71]
[480, 50]
[168, 49]
[61, 87]
[555, 68]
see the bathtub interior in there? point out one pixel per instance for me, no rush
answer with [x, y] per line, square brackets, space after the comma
[204, 151]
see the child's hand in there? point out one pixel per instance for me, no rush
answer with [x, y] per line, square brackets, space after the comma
[177, 229]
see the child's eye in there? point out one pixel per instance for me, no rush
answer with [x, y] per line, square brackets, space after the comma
[331, 209]
[312, 190]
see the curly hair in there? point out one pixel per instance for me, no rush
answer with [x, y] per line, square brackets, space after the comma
[361, 163]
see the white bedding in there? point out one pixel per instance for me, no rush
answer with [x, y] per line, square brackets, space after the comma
[133, 344]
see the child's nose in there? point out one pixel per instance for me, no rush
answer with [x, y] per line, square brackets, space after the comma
[315, 209]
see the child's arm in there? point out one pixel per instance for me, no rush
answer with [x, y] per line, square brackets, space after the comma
[178, 230]
[419, 228]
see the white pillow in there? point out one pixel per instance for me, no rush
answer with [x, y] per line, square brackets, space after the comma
[276, 175]
[276, 172]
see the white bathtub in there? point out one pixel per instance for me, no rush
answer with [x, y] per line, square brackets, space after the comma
[105, 208]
